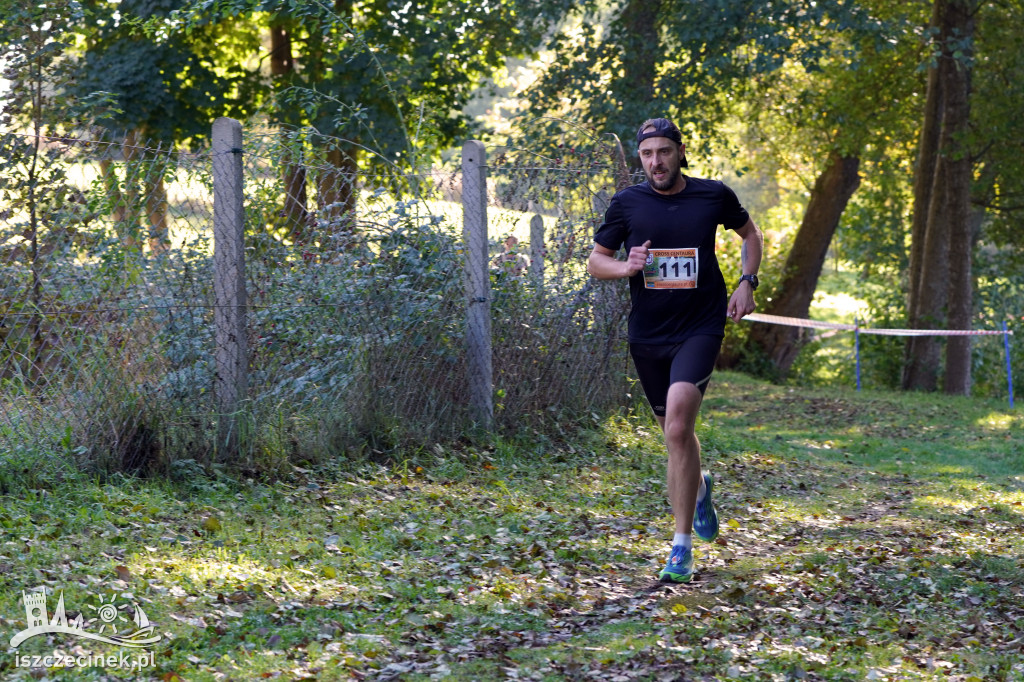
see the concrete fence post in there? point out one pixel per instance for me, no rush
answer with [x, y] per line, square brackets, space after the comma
[478, 283]
[537, 252]
[231, 357]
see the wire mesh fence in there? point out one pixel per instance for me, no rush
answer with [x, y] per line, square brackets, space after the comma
[354, 301]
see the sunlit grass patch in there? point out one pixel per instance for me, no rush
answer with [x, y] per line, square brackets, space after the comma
[998, 421]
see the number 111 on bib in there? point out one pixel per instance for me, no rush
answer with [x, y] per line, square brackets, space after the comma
[671, 269]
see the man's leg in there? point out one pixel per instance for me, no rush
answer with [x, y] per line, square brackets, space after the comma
[684, 466]
[675, 393]
[683, 475]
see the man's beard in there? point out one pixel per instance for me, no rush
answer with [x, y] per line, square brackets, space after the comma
[668, 183]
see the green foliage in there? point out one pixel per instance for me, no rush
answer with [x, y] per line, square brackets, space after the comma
[996, 138]
[42, 213]
[996, 132]
[387, 78]
[33, 47]
[706, 57]
[54, 215]
[999, 300]
[170, 84]
[357, 339]
[371, 320]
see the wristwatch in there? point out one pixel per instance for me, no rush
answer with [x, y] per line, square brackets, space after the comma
[749, 278]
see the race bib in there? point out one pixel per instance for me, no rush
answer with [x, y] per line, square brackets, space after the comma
[671, 269]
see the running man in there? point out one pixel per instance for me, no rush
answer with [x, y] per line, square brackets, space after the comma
[679, 306]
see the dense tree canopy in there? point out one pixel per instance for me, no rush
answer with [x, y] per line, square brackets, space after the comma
[692, 61]
[168, 85]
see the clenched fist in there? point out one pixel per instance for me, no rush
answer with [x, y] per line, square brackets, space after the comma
[637, 258]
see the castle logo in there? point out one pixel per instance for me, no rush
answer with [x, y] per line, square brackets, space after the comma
[109, 624]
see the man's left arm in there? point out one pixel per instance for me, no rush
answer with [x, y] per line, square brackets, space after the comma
[742, 302]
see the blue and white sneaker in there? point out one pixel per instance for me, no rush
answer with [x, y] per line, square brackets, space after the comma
[679, 568]
[705, 518]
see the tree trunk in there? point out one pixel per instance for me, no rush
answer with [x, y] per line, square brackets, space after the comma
[831, 193]
[924, 353]
[154, 191]
[637, 32]
[336, 182]
[156, 210]
[637, 27]
[113, 190]
[129, 230]
[927, 157]
[293, 172]
[946, 231]
[957, 380]
[336, 189]
[921, 354]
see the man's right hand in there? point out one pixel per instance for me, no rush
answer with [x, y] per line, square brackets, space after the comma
[637, 258]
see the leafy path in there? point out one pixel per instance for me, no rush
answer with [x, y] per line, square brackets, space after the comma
[865, 537]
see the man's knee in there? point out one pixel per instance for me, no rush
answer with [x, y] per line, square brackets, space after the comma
[681, 411]
[678, 431]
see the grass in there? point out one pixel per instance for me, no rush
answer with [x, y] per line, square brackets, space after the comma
[866, 535]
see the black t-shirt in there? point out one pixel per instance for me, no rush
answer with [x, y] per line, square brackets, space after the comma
[681, 292]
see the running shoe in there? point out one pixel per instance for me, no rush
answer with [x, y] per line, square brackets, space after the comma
[679, 568]
[705, 518]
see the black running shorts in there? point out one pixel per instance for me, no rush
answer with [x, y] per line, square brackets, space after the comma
[658, 367]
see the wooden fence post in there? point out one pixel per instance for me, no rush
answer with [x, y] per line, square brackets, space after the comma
[231, 357]
[478, 283]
